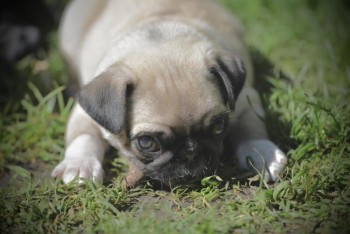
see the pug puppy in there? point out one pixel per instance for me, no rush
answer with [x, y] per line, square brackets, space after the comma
[166, 82]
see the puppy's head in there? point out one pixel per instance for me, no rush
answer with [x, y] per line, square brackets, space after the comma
[175, 106]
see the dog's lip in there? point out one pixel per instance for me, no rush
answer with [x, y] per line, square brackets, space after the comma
[195, 171]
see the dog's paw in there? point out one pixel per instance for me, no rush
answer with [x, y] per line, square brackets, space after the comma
[265, 156]
[83, 168]
[82, 159]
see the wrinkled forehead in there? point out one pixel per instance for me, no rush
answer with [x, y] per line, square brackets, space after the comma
[173, 93]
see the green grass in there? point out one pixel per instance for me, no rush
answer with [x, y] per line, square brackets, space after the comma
[308, 118]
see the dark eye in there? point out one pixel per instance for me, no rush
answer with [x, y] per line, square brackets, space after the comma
[218, 127]
[148, 144]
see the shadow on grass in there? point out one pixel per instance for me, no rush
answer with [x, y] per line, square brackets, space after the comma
[264, 70]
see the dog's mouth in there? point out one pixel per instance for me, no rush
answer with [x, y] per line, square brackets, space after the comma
[173, 174]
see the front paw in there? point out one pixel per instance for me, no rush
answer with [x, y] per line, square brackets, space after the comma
[83, 168]
[265, 156]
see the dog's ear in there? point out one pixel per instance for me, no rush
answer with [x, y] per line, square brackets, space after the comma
[105, 99]
[230, 74]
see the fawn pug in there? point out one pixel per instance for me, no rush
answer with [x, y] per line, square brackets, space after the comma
[166, 82]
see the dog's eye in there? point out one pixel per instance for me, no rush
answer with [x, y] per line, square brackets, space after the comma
[218, 126]
[148, 144]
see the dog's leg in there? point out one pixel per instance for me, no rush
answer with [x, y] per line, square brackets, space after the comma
[85, 149]
[250, 141]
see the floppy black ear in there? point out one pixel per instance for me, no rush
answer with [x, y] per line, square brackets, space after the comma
[230, 73]
[104, 99]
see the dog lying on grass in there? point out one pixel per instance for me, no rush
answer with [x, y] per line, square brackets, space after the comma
[166, 82]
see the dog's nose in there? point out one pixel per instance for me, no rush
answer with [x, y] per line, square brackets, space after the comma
[192, 147]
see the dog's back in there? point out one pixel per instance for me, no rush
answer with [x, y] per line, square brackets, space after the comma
[89, 27]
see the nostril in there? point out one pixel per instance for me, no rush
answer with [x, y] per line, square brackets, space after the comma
[191, 145]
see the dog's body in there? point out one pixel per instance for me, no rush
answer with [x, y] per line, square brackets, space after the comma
[166, 82]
